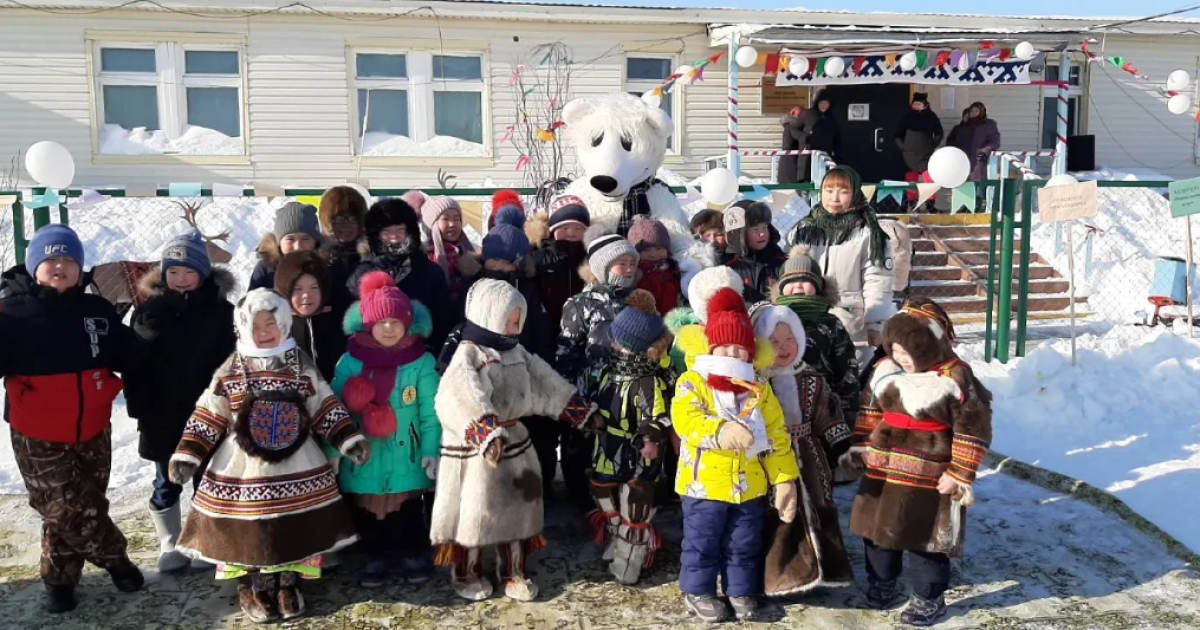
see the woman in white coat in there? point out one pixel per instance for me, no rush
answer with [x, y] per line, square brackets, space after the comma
[844, 234]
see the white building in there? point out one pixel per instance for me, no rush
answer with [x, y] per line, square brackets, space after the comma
[247, 91]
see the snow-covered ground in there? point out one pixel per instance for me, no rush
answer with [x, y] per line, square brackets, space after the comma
[385, 144]
[1123, 419]
[116, 140]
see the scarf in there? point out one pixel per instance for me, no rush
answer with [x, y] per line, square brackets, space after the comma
[636, 202]
[631, 365]
[809, 308]
[248, 349]
[481, 336]
[825, 228]
[446, 254]
[380, 363]
[736, 394]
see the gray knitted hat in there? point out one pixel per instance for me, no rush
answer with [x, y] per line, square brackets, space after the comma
[297, 218]
[603, 248]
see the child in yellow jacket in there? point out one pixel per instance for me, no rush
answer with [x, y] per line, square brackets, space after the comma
[734, 448]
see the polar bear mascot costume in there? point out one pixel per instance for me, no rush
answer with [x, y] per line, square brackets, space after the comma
[620, 142]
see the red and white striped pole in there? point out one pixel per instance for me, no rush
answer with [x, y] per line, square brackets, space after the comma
[735, 157]
[1064, 103]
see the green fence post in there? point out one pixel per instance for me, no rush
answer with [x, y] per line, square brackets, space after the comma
[1027, 192]
[20, 242]
[41, 216]
[993, 207]
[1004, 292]
[64, 215]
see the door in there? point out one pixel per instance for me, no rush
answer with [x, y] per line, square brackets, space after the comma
[867, 117]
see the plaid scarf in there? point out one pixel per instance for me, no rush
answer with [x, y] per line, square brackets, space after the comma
[636, 203]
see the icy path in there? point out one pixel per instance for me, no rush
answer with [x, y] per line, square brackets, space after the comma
[1035, 561]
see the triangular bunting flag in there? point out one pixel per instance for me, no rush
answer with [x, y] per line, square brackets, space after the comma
[267, 190]
[311, 200]
[890, 60]
[963, 197]
[922, 59]
[87, 199]
[220, 189]
[858, 65]
[785, 62]
[890, 189]
[869, 191]
[143, 190]
[757, 193]
[48, 199]
[690, 196]
[781, 199]
[925, 190]
[820, 71]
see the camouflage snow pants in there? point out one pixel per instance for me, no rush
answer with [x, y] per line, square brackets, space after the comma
[67, 485]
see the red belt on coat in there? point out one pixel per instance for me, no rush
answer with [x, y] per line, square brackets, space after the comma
[905, 421]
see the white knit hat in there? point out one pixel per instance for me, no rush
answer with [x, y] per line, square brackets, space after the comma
[702, 287]
[490, 301]
[254, 303]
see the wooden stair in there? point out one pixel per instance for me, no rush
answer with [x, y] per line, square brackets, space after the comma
[950, 265]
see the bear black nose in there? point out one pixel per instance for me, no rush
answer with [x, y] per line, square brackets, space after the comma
[604, 183]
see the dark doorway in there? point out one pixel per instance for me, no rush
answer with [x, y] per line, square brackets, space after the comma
[867, 118]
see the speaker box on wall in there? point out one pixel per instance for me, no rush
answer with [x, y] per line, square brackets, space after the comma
[1081, 153]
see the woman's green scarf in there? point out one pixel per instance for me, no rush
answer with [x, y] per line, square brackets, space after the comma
[835, 229]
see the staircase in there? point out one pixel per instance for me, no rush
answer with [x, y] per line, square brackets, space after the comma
[949, 265]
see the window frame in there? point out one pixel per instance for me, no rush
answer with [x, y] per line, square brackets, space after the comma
[675, 150]
[1077, 92]
[172, 83]
[421, 87]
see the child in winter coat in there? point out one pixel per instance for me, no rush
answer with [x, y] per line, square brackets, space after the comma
[394, 237]
[921, 459]
[735, 447]
[59, 347]
[388, 381]
[627, 458]
[446, 244]
[343, 215]
[809, 551]
[185, 326]
[709, 226]
[303, 279]
[584, 344]
[489, 490]
[828, 348]
[559, 251]
[753, 248]
[268, 505]
[658, 273]
[297, 228]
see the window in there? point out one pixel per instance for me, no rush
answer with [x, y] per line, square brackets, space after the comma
[643, 74]
[420, 104]
[169, 98]
[1050, 104]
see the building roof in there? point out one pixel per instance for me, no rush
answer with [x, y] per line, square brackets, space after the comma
[597, 13]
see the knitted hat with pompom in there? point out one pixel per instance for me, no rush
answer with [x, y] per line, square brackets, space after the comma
[728, 322]
[638, 325]
[382, 300]
[507, 208]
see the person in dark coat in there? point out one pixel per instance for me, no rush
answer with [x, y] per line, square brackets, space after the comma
[753, 248]
[822, 126]
[297, 228]
[303, 279]
[977, 136]
[557, 241]
[185, 329]
[813, 128]
[395, 242]
[919, 134]
[54, 340]
[343, 214]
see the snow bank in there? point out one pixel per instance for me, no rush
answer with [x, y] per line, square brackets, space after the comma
[377, 144]
[116, 140]
[1124, 419]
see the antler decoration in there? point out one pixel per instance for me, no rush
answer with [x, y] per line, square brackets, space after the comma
[445, 179]
[215, 252]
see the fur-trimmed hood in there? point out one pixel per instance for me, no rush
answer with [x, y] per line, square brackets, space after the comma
[537, 229]
[153, 284]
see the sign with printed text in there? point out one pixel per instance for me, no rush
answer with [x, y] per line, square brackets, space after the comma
[1185, 197]
[1067, 203]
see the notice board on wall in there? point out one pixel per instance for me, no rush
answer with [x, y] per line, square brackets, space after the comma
[777, 101]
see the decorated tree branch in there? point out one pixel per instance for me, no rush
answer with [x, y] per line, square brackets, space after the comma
[540, 85]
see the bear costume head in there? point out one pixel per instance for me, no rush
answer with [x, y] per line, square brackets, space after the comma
[619, 140]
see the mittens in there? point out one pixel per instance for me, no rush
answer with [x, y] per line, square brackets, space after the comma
[181, 472]
[735, 437]
[358, 393]
[577, 411]
[360, 453]
[430, 464]
[785, 501]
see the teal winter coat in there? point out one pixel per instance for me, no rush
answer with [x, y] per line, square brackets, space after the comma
[395, 464]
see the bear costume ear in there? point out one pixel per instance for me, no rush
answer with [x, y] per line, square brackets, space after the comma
[577, 110]
[661, 122]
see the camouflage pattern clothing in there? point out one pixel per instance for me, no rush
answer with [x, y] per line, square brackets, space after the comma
[67, 484]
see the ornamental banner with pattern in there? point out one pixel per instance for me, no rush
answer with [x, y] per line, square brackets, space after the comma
[876, 69]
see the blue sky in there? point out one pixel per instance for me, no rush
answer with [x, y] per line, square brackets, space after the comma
[1103, 8]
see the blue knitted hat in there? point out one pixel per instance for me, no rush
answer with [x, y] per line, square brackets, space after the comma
[505, 242]
[187, 250]
[636, 328]
[53, 241]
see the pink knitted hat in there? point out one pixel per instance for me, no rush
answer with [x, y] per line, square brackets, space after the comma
[382, 300]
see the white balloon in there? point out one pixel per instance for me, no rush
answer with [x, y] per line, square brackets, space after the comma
[908, 61]
[50, 164]
[1064, 179]
[835, 66]
[719, 186]
[798, 66]
[746, 56]
[1179, 104]
[1025, 51]
[1178, 80]
[949, 167]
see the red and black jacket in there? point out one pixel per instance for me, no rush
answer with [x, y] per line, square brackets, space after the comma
[58, 355]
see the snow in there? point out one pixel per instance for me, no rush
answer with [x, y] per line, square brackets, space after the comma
[1123, 419]
[376, 144]
[1105, 173]
[116, 140]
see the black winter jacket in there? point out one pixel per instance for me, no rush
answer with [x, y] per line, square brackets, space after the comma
[421, 280]
[322, 337]
[184, 338]
[558, 280]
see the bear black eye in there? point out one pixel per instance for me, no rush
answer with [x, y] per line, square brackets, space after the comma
[627, 143]
[597, 140]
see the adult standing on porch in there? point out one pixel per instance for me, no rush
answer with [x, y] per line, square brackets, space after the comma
[977, 136]
[814, 129]
[919, 134]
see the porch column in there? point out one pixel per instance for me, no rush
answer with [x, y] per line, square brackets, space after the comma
[1064, 89]
[734, 157]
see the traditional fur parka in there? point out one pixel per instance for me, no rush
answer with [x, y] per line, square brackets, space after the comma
[936, 424]
[808, 552]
